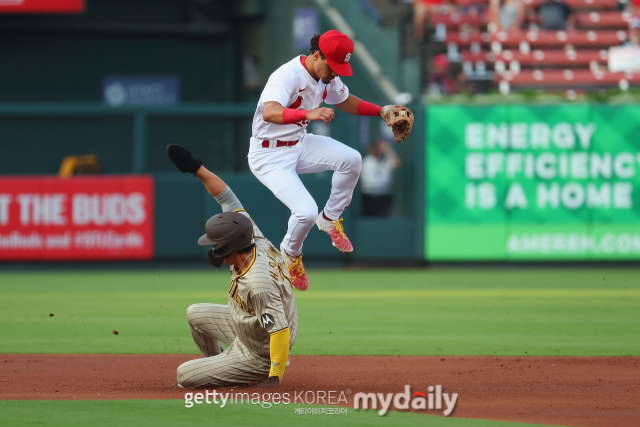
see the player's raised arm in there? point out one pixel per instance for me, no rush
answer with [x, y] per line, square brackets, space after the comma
[186, 162]
[398, 117]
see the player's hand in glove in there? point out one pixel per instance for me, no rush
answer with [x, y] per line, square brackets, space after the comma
[399, 118]
[183, 159]
[270, 382]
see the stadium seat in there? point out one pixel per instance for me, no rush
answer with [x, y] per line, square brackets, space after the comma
[546, 58]
[558, 39]
[477, 56]
[465, 39]
[567, 78]
[581, 4]
[598, 20]
[562, 59]
[455, 20]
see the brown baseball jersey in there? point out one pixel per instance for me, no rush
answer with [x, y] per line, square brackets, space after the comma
[261, 299]
[260, 302]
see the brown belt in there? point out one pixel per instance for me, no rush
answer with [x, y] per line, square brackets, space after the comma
[267, 143]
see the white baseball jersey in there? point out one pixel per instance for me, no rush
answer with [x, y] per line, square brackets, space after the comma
[292, 86]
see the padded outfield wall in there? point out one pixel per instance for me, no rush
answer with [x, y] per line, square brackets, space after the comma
[517, 182]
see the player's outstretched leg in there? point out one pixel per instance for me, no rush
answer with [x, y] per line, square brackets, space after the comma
[335, 230]
[297, 274]
[323, 153]
[237, 366]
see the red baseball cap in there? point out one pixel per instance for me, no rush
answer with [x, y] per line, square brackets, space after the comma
[337, 48]
[441, 59]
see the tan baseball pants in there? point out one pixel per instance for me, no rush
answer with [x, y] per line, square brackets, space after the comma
[211, 324]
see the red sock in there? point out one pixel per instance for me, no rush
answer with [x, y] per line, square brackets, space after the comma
[325, 217]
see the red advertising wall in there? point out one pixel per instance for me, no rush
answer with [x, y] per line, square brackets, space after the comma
[87, 218]
[41, 6]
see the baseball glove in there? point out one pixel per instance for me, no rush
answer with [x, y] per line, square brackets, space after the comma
[399, 118]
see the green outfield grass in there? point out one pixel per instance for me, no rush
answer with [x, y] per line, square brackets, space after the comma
[171, 413]
[586, 312]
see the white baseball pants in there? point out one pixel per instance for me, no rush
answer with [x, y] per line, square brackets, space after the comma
[278, 169]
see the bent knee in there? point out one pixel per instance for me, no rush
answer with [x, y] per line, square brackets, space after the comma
[185, 377]
[353, 161]
[192, 312]
[307, 215]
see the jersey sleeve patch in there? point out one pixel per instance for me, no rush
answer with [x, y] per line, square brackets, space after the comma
[267, 321]
[269, 310]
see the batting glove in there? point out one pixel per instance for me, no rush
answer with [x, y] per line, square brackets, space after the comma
[183, 159]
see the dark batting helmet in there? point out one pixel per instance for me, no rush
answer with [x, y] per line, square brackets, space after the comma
[228, 232]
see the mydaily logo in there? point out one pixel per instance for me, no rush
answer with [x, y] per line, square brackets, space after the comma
[432, 400]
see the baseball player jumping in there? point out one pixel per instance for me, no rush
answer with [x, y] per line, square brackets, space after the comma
[260, 322]
[281, 148]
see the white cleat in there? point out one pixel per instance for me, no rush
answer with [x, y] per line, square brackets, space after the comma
[335, 230]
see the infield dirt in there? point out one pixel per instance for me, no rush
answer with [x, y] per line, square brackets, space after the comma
[584, 391]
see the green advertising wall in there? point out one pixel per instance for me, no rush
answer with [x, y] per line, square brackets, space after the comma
[516, 182]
